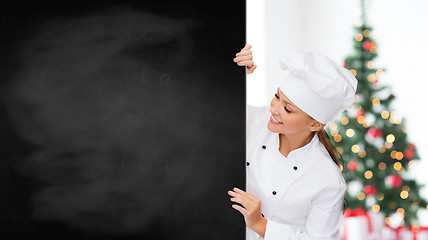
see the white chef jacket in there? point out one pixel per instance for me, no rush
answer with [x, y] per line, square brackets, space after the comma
[301, 194]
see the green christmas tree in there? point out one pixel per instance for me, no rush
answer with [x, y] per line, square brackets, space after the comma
[373, 142]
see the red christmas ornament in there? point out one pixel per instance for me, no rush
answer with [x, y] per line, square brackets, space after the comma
[360, 113]
[374, 132]
[412, 146]
[370, 190]
[394, 181]
[367, 45]
[352, 165]
[409, 153]
[345, 65]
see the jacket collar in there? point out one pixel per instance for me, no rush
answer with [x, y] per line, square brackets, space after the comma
[297, 156]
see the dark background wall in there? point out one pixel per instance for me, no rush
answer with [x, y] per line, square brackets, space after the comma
[121, 119]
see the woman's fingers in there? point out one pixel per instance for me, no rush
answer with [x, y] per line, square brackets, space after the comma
[244, 201]
[248, 63]
[247, 194]
[246, 52]
[239, 59]
[245, 58]
[239, 191]
[238, 200]
[251, 69]
[250, 208]
[247, 46]
[242, 210]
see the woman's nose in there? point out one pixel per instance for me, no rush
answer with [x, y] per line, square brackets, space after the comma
[274, 110]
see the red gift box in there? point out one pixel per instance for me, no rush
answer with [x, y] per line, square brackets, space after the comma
[358, 212]
[414, 229]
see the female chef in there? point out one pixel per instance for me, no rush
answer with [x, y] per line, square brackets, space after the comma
[295, 188]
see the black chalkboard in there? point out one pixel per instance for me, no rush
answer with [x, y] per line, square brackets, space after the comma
[121, 119]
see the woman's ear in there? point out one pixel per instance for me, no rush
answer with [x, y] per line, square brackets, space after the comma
[316, 126]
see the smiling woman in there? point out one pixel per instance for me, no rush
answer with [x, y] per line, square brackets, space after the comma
[295, 188]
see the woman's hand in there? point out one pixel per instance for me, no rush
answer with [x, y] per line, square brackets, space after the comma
[245, 58]
[251, 210]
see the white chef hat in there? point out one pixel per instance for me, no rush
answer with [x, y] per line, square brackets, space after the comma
[317, 85]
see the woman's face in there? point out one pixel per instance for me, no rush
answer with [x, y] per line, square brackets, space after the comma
[292, 119]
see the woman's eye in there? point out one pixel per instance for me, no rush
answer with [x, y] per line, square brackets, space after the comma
[276, 95]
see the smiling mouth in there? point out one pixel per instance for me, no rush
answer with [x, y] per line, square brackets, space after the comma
[273, 120]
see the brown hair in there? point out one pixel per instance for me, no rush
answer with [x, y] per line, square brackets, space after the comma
[334, 154]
